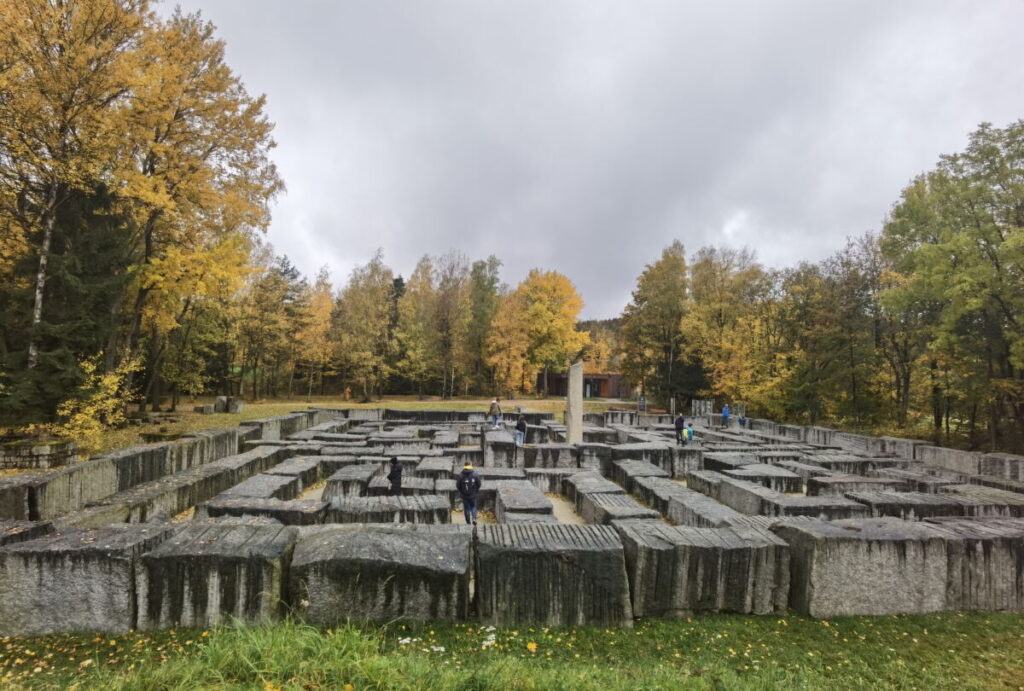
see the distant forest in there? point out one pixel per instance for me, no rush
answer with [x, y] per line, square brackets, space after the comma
[135, 182]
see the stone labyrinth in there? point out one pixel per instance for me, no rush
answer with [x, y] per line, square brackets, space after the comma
[291, 519]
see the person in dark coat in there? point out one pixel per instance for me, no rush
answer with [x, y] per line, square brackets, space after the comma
[468, 484]
[680, 426]
[395, 478]
[520, 431]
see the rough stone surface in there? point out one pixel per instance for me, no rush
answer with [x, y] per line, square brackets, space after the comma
[866, 566]
[499, 449]
[659, 453]
[436, 468]
[700, 511]
[375, 572]
[525, 498]
[626, 471]
[686, 458]
[306, 468]
[431, 508]
[805, 470]
[770, 476]
[574, 404]
[213, 574]
[854, 465]
[548, 456]
[656, 492]
[14, 497]
[719, 461]
[985, 559]
[77, 580]
[291, 512]
[378, 486]
[918, 505]
[754, 500]
[917, 480]
[677, 571]
[350, 481]
[596, 457]
[169, 496]
[266, 486]
[550, 480]
[20, 531]
[496, 474]
[988, 501]
[963, 462]
[841, 484]
[588, 482]
[551, 575]
[602, 509]
[511, 517]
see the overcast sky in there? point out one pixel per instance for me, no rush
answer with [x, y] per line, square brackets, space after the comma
[584, 136]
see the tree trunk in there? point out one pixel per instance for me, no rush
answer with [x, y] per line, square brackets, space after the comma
[157, 349]
[936, 402]
[49, 221]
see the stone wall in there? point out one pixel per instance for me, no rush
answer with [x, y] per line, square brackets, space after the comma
[745, 539]
[36, 454]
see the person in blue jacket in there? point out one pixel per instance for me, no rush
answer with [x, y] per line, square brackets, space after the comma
[725, 416]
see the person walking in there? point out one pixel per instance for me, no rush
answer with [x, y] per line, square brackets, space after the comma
[725, 415]
[680, 427]
[495, 412]
[468, 485]
[689, 431]
[520, 431]
[395, 478]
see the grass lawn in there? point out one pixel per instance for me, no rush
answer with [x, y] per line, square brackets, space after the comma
[963, 651]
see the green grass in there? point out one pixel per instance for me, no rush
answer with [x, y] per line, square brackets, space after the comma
[962, 651]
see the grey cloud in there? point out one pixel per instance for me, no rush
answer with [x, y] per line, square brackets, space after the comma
[584, 136]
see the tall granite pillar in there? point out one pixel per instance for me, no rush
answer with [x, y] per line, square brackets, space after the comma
[574, 405]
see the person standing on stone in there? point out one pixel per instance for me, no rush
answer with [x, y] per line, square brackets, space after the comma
[689, 432]
[468, 485]
[395, 478]
[725, 415]
[520, 431]
[680, 427]
[495, 412]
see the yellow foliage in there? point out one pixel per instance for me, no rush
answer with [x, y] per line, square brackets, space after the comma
[98, 405]
[534, 328]
[507, 345]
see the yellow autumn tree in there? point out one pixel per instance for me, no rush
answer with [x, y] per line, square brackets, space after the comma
[535, 329]
[552, 311]
[417, 333]
[197, 174]
[67, 73]
[314, 336]
[728, 323]
[507, 344]
[363, 337]
[599, 356]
